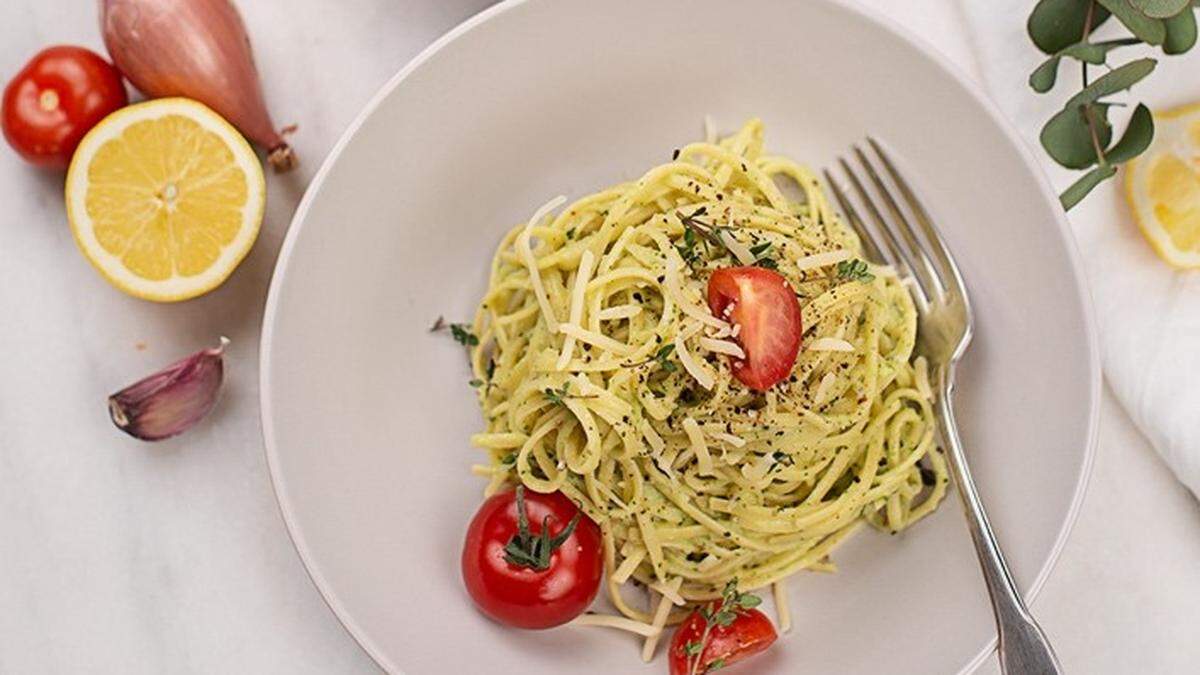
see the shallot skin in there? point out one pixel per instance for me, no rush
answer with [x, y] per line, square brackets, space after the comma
[198, 49]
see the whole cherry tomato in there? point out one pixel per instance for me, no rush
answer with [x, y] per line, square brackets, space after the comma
[55, 99]
[532, 560]
[762, 303]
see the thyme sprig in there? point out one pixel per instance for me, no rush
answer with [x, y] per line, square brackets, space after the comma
[460, 331]
[559, 396]
[721, 613]
[707, 231]
[662, 357]
[854, 270]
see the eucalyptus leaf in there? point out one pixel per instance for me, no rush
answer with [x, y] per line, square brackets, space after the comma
[1080, 188]
[1057, 24]
[1181, 32]
[1042, 79]
[1150, 30]
[1068, 139]
[1160, 9]
[1116, 80]
[1135, 140]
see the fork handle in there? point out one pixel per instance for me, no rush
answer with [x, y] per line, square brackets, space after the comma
[1023, 649]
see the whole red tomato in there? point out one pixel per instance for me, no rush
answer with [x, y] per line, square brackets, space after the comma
[532, 560]
[55, 99]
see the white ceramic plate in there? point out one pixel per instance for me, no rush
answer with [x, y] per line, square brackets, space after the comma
[366, 415]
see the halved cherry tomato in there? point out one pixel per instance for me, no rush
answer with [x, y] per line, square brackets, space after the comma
[762, 303]
[57, 98]
[532, 560]
[750, 633]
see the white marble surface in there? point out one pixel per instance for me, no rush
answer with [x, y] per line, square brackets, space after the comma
[118, 557]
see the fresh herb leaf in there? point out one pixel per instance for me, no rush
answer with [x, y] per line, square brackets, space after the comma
[749, 600]
[1113, 82]
[715, 666]
[1042, 79]
[1068, 136]
[663, 356]
[1148, 29]
[462, 333]
[476, 383]
[509, 460]
[1055, 24]
[854, 270]
[1160, 9]
[1137, 137]
[1080, 188]
[692, 648]
[710, 233]
[1181, 33]
[556, 396]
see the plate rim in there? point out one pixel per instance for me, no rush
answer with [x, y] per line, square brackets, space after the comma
[282, 265]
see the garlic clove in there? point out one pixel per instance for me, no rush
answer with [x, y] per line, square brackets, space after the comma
[170, 401]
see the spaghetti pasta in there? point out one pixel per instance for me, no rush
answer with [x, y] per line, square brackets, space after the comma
[605, 376]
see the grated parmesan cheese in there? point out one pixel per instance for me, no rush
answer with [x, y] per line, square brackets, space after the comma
[674, 289]
[525, 252]
[822, 393]
[698, 372]
[696, 435]
[596, 339]
[619, 312]
[828, 344]
[737, 248]
[735, 441]
[586, 263]
[722, 347]
[823, 259]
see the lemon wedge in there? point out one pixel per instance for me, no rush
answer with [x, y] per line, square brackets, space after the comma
[1163, 187]
[165, 198]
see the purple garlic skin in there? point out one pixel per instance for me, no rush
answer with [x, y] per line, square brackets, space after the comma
[170, 401]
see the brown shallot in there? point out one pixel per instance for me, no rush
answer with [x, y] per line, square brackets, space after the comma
[197, 49]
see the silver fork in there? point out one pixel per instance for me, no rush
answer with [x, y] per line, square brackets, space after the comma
[944, 332]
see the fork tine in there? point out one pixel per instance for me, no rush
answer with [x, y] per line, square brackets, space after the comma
[856, 223]
[888, 241]
[950, 276]
[916, 255]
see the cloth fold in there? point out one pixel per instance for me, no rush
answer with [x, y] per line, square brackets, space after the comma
[1148, 314]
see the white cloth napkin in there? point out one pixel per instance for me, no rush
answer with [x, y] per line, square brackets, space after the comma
[1148, 313]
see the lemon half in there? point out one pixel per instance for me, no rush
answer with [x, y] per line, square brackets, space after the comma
[165, 198]
[1163, 187]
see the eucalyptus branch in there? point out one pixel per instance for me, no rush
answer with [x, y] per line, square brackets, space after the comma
[1080, 135]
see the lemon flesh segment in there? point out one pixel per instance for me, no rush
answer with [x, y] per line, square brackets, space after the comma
[1163, 187]
[165, 198]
